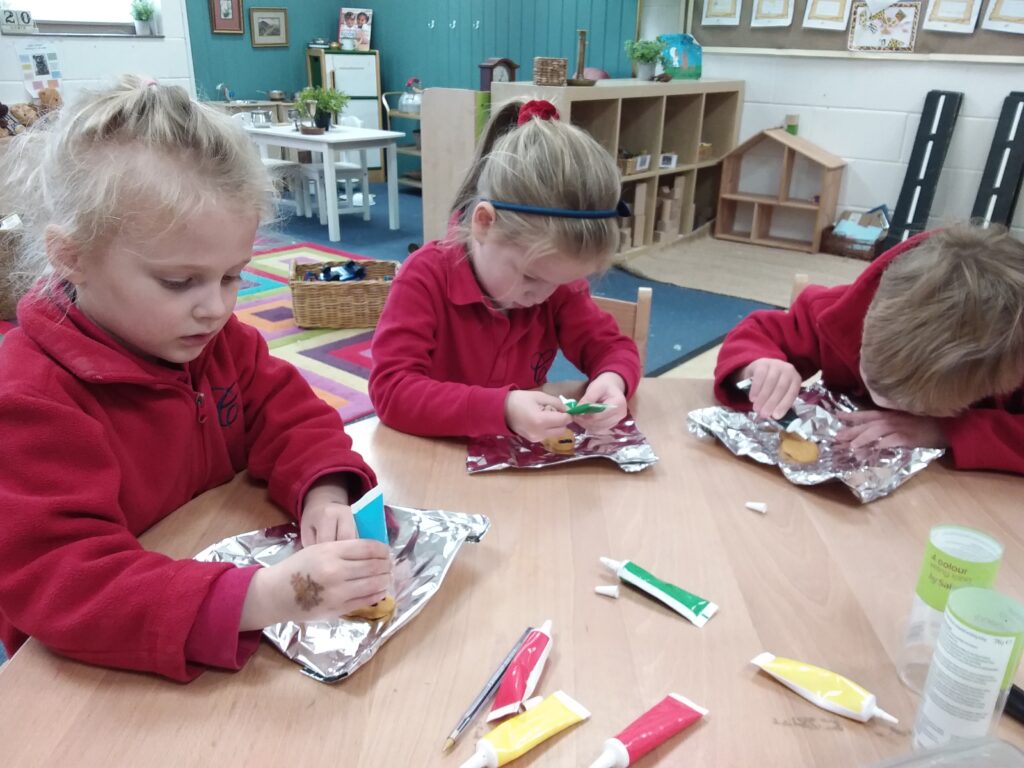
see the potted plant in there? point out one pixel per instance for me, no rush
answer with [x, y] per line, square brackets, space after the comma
[645, 54]
[329, 102]
[142, 11]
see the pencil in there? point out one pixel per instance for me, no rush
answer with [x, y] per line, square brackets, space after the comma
[485, 693]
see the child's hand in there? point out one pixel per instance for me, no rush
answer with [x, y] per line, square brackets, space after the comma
[890, 429]
[774, 386]
[322, 581]
[610, 389]
[326, 515]
[535, 415]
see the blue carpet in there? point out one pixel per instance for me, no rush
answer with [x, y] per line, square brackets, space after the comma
[684, 322]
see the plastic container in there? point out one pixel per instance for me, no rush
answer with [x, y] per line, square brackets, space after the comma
[980, 753]
[956, 556]
[976, 659]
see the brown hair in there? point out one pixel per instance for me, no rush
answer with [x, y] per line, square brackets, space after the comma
[546, 164]
[946, 326]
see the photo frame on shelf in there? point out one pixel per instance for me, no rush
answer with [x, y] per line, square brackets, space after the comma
[269, 27]
[226, 17]
[354, 28]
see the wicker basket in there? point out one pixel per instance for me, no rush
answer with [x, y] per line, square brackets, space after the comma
[356, 304]
[547, 71]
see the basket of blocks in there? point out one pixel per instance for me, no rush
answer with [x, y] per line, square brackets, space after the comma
[354, 304]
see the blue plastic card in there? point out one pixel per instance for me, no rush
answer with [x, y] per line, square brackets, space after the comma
[369, 516]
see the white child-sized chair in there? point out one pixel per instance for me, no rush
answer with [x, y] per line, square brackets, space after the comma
[351, 168]
[286, 171]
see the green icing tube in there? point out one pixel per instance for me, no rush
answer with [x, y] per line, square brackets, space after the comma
[695, 609]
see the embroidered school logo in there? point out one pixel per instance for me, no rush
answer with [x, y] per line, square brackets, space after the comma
[541, 362]
[227, 405]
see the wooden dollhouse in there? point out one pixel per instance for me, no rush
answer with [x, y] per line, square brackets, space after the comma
[779, 190]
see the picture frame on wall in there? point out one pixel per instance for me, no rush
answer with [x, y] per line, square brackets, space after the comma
[269, 27]
[226, 17]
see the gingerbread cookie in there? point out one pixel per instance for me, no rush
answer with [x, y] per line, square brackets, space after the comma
[565, 443]
[382, 609]
[797, 450]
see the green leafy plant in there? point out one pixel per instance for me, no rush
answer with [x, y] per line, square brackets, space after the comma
[327, 99]
[645, 51]
[142, 10]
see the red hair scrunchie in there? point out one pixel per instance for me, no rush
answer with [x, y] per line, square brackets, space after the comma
[542, 110]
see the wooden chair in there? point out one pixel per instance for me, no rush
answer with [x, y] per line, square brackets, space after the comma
[800, 281]
[632, 317]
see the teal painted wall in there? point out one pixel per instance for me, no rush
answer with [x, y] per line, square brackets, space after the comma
[439, 41]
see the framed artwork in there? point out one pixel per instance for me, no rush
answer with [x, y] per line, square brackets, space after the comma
[354, 27]
[772, 13]
[952, 16]
[226, 17]
[724, 13]
[827, 14]
[893, 30]
[1005, 16]
[269, 27]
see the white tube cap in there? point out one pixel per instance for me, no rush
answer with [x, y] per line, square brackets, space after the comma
[612, 565]
[478, 760]
[614, 755]
[757, 506]
[881, 714]
[611, 590]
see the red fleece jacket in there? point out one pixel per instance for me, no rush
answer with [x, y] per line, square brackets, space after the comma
[444, 360]
[823, 331]
[98, 445]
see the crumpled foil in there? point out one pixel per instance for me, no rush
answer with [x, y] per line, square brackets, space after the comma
[869, 472]
[423, 546]
[624, 444]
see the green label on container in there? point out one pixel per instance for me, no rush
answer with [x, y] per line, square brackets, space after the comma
[942, 572]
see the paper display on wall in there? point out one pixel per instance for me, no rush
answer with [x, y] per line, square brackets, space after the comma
[772, 13]
[40, 66]
[952, 16]
[893, 30]
[1005, 16]
[827, 14]
[723, 13]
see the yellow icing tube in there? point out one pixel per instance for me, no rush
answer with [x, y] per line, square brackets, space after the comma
[825, 689]
[518, 735]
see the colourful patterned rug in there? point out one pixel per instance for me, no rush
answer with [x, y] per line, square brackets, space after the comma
[336, 363]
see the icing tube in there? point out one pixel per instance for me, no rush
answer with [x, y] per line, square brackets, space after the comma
[518, 735]
[695, 609]
[520, 679]
[822, 688]
[649, 731]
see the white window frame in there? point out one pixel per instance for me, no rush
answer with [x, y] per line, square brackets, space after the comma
[75, 28]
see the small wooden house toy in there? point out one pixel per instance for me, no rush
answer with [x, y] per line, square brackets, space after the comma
[778, 190]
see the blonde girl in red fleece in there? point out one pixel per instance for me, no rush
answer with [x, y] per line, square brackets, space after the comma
[129, 388]
[472, 323]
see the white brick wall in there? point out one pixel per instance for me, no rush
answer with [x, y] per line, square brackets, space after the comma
[867, 112]
[89, 62]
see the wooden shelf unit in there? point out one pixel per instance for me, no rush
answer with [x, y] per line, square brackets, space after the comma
[654, 118]
[390, 99]
[762, 206]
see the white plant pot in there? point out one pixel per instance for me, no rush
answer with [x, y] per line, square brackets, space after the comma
[143, 28]
[645, 70]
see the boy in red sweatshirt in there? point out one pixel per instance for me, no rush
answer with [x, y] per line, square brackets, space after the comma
[932, 333]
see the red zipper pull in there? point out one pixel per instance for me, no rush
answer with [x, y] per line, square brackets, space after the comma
[200, 414]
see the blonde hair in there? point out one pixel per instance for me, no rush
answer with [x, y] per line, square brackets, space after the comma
[135, 155]
[946, 326]
[546, 164]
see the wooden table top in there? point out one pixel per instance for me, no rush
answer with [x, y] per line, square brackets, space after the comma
[818, 578]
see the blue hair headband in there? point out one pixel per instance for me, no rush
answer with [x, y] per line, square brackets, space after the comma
[622, 209]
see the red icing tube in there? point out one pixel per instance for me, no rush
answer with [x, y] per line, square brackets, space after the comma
[653, 728]
[520, 679]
